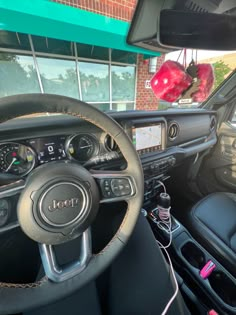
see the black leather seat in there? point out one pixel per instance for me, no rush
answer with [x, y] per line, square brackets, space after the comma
[212, 222]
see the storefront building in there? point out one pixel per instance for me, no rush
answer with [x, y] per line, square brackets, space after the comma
[80, 58]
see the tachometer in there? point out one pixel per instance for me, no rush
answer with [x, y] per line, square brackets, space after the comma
[16, 159]
[82, 147]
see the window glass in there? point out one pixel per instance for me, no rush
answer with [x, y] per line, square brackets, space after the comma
[53, 46]
[17, 75]
[14, 40]
[123, 83]
[103, 107]
[233, 121]
[92, 52]
[123, 56]
[122, 106]
[58, 76]
[94, 82]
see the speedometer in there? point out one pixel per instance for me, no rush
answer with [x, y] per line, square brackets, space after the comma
[82, 147]
[16, 159]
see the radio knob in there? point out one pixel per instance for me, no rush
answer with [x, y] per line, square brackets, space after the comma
[152, 166]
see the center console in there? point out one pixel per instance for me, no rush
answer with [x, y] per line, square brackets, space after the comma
[214, 285]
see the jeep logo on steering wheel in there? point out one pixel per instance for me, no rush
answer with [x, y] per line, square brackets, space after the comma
[61, 204]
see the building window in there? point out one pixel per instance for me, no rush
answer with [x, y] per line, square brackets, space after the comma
[17, 75]
[58, 76]
[94, 80]
[103, 107]
[122, 106]
[123, 56]
[123, 83]
[100, 76]
[13, 40]
[53, 46]
[92, 52]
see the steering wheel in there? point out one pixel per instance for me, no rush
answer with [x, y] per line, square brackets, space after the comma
[59, 201]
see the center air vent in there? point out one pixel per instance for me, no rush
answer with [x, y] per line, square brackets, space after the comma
[213, 123]
[173, 131]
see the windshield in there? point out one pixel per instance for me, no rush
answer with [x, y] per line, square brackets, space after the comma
[109, 79]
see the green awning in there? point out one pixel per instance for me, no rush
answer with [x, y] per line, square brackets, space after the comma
[53, 20]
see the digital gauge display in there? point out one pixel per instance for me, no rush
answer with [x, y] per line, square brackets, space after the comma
[82, 147]
[16, 159]
[49, 148]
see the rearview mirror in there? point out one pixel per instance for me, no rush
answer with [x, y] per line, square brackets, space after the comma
[197, 30]
[163, 26]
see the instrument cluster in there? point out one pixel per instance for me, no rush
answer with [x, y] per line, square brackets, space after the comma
[20, 158]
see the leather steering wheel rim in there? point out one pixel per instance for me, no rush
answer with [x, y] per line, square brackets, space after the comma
[21, 297]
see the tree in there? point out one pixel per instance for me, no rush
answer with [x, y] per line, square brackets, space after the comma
[16, 76]
[221, 71]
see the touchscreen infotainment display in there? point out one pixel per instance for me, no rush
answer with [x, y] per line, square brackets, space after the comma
[147, 139]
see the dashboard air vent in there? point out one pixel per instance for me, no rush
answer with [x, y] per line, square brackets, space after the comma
[213, 123]
[173, 131]
[110, 144]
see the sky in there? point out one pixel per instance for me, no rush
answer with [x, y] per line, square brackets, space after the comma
[201, 55]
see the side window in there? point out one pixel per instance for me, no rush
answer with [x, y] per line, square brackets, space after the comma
[233, 119]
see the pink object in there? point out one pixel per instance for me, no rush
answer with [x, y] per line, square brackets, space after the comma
[170, 81]
[212, 312]
[207, 269]
[206, 77]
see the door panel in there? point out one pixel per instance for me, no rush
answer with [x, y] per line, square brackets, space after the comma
[218, 171]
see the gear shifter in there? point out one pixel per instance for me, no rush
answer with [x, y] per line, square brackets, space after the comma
[162, 214]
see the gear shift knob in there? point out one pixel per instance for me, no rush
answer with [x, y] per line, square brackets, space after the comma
[164, 200]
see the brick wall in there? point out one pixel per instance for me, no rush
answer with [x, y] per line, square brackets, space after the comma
[119, 9]
[145, 98]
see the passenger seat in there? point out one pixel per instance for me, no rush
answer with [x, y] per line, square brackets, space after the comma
[212, 222]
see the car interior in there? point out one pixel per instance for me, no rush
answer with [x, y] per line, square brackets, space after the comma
[75, 182]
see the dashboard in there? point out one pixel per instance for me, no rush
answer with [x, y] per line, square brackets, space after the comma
[163, 140]
[167, 137]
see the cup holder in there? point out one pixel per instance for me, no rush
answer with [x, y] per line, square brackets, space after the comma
[193, 255]
[224, 287]
[221, 283]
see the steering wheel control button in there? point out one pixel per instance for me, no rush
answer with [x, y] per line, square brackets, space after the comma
[62, 204]
[121, 187]
[4, 211]
[116, 187]
[106, 188]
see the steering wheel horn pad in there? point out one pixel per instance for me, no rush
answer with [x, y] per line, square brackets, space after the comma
[59, 202]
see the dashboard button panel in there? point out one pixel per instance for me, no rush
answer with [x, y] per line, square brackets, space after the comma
[159, 166]
[153, 172]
